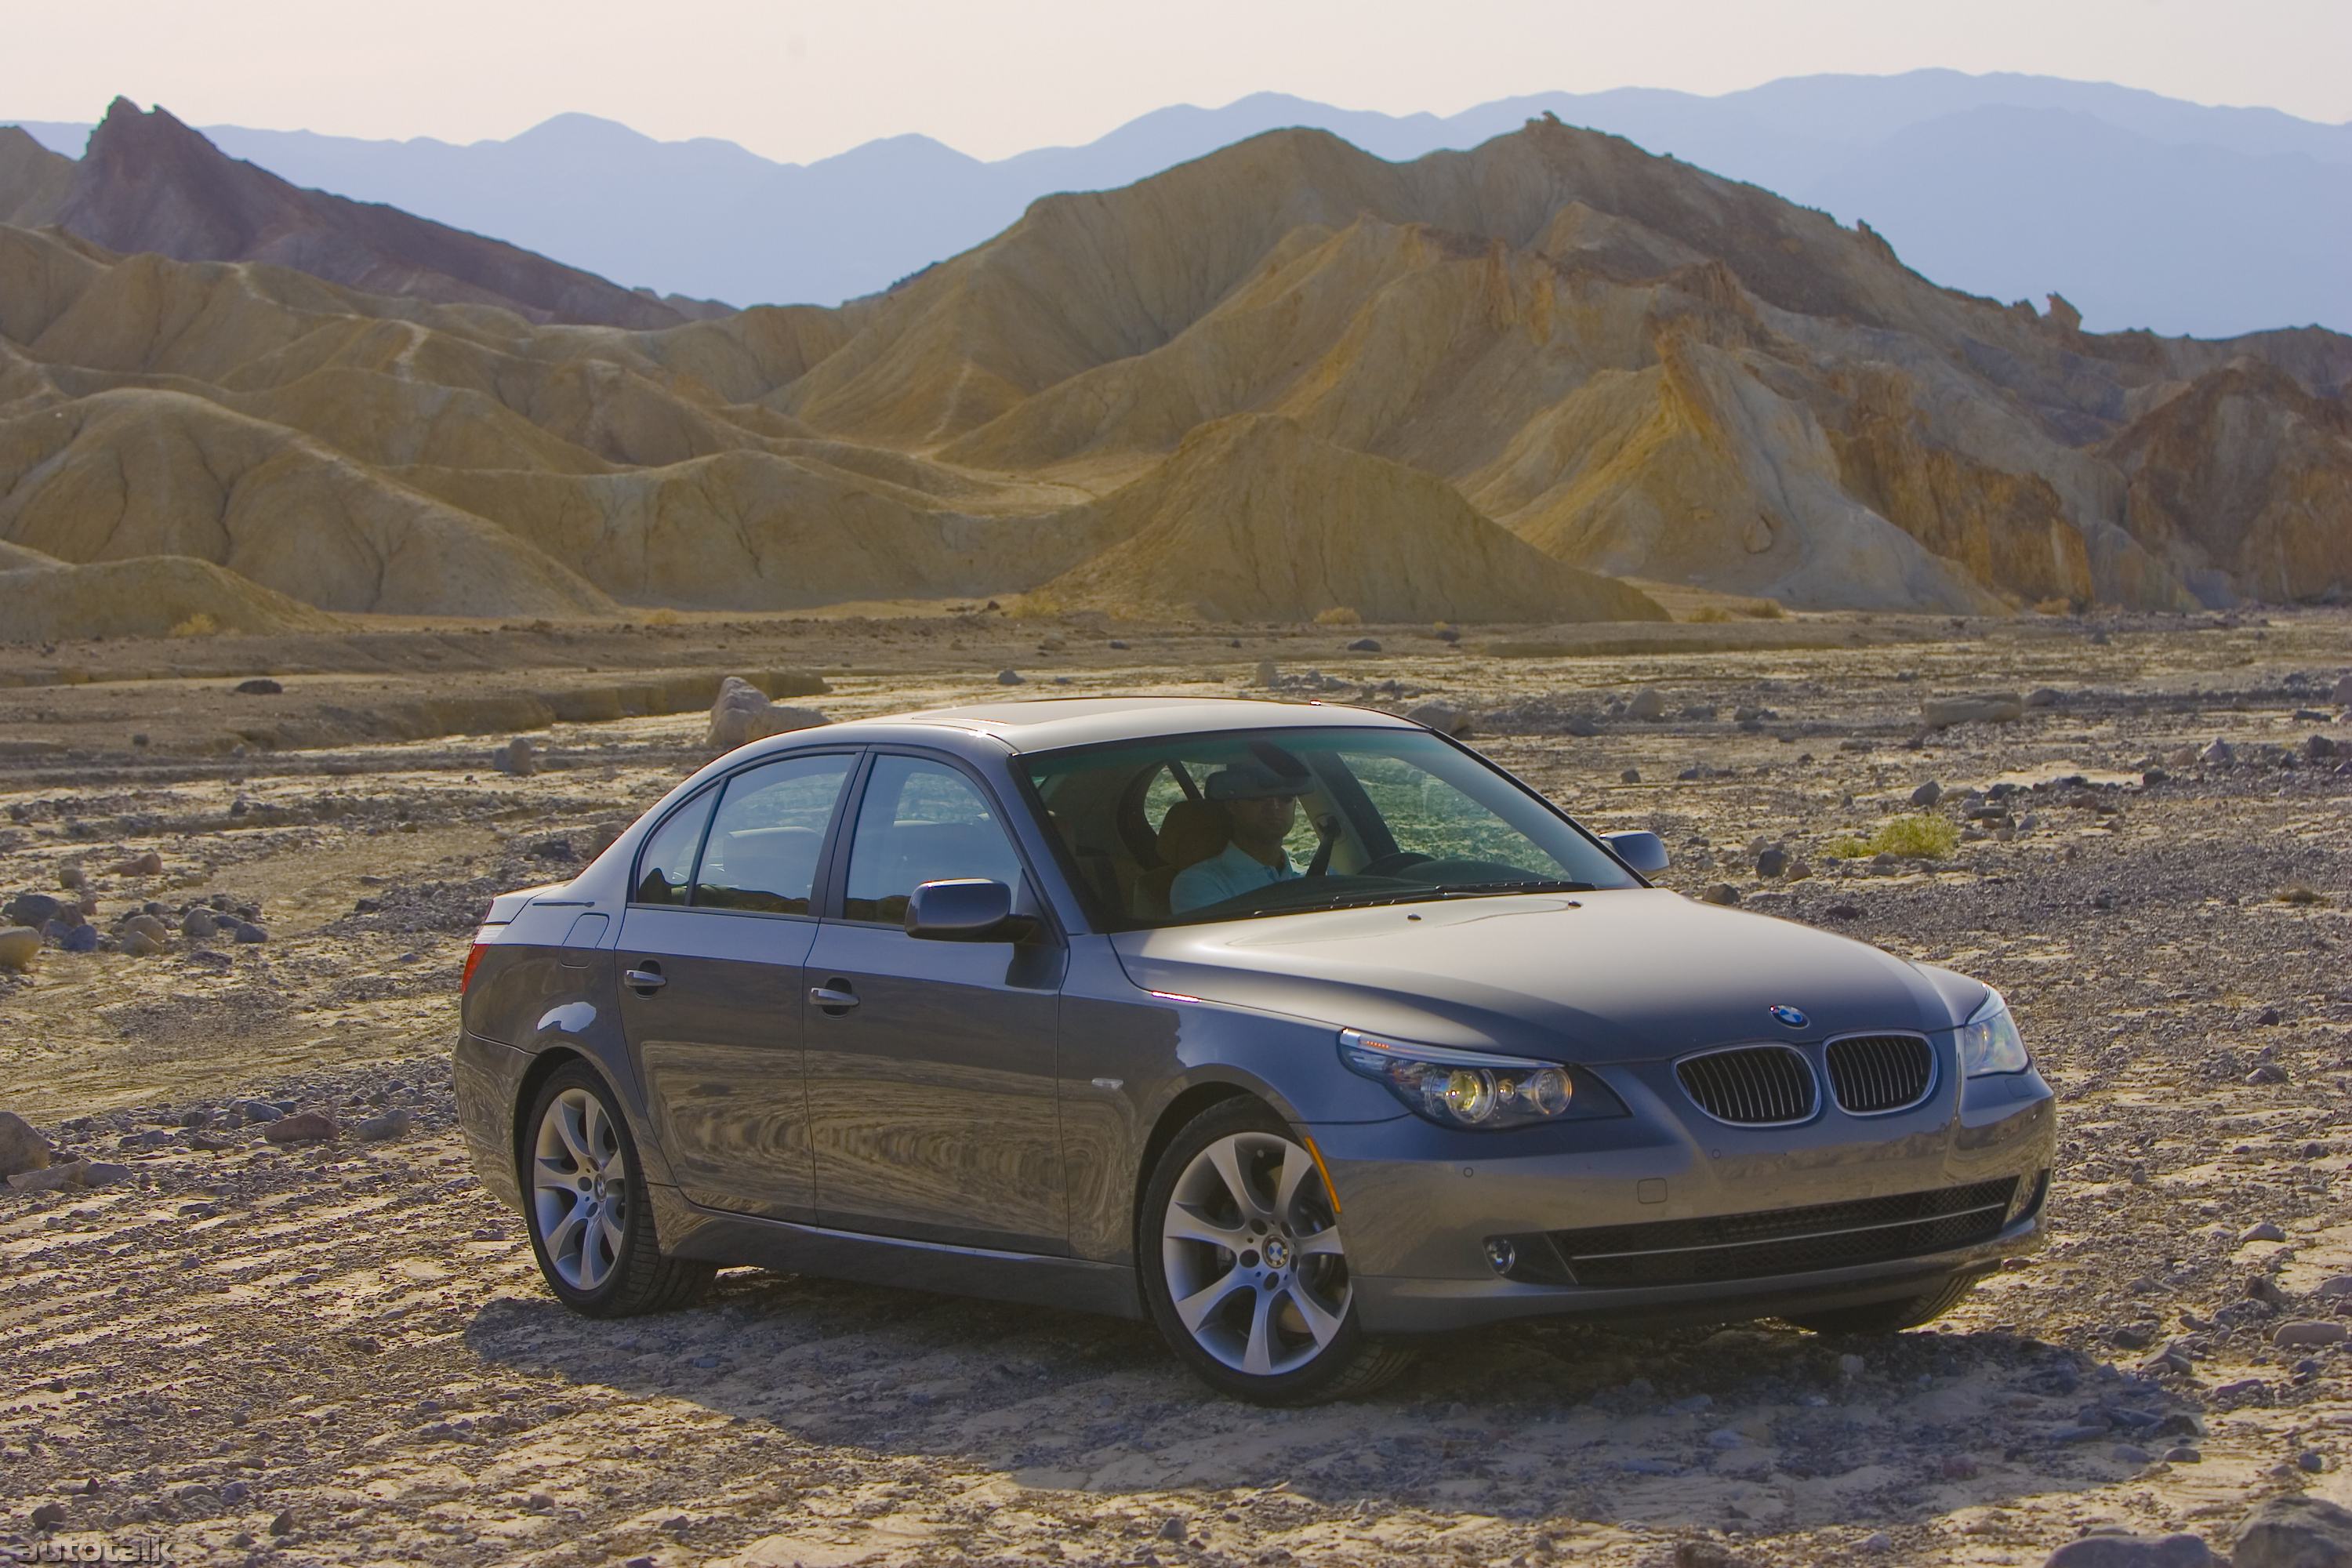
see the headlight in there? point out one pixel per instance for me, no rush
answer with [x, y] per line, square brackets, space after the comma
[1990, 1043]
[1467, 1089]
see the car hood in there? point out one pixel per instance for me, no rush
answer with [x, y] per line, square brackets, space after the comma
[1627, 975]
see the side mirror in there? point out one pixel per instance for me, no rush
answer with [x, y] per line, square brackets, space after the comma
[966, 909]
[1645, 852]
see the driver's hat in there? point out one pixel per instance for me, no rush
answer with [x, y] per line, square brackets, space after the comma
[1249, 781]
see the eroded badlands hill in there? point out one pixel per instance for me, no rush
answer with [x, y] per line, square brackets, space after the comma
[1469, 387]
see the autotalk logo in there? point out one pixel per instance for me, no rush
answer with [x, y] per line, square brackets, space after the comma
[148, 1549]
[1790, 1017]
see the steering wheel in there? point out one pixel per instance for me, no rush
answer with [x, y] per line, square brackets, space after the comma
[1389, 864]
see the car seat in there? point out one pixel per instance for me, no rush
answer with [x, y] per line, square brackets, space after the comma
[1192, 832]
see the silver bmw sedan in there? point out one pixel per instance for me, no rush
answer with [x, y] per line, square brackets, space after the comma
[1305, 1032]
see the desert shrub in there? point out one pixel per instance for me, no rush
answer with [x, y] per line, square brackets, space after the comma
[2055, 607]
[1708, 614]
[664, 616]
[2301, 893]
[199, 625]
[1763, 610]
[1340, 616]
[1920, 836]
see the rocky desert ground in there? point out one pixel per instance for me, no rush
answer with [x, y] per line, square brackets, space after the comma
[241, 1350]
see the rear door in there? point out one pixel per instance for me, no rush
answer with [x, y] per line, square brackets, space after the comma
[711, 951]
[932, 1063]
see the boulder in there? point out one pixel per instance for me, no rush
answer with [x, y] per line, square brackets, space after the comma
[259, 686]
[1928, 794]
[2344, 691]
[32, 909]
[1986, 708]
[200, 924]
[137, 944]
[48, 1179]
[80, 939]
[2295, 1532]
[148, 865]
[516, 757]
[2310, 1332]
[397, 1122]
[2132, 1551]
[21, 1148]
[146, 925]
[304, 1126]
[1648, 703]
[743, 714]
[1442, 717]
[17, 946]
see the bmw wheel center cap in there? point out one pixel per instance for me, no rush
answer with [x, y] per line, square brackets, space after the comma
[1791, 1016]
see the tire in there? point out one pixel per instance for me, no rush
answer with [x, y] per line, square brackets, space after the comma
[1890, 1317]
[1272, 1325]
[584, 1204]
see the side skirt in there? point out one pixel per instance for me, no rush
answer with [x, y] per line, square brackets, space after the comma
[738, 1241]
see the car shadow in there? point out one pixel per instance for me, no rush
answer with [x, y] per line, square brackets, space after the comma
[1759, 1428]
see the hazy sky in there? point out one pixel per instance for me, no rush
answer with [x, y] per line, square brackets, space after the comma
[798, 80]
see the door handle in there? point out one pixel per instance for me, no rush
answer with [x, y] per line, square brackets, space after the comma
[833, 1002]
[646, 979]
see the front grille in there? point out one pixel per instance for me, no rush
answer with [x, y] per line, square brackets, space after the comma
[1775, 1241]
[1872, 1074]
[1758, 1086]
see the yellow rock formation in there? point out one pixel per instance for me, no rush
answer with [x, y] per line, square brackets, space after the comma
[146, 596]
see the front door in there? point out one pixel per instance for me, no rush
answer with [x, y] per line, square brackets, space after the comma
[712, 951]
[932, 1063]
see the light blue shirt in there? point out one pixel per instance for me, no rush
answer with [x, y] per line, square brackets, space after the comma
[1226, 875]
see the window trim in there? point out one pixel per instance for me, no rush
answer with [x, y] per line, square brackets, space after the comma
[715, 792]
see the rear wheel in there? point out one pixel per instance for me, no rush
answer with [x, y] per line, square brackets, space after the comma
[1243, 1267]
[584, 1197]
[1890, 1317]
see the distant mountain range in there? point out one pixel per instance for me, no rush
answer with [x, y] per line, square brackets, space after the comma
[2144, 211]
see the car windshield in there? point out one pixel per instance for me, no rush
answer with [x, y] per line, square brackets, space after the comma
[1269, 822]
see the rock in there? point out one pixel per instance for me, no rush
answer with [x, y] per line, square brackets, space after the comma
[283, 1524]
[1443, 717]
[1771, 863]
[1878, 1541]
[2298, 1532]
[104, 1172]
[743, 713]
[2344, 692]
[148, 865]
[2041, 697]
[72, 876]
[1707, 1554]
[259, 686]
[2311, 1462]
[32, 909]
[80, 939]
[1959, 1467]
[1171, 1529]
[1630, 775]
[19, 945]
[48, 1516]
[2269, 1072]
[1648, 703]
[2310, 1331]
[147, 925]
[518, 758]
[1720, 893]
[1992, 707]
[1268, 677]
[1011, 678]
[2219, 755]
[1365, 645]
[54, 1178]
[2265, 1231]
[256, 1111]
[247, 931]
[21, 1147]
[2334, 1288]
[138, 944]
[2183, 1455]
[397, 1122]
[199, 924]
[2132, 1551]
[2319, 747]
[304, 1126]
[1928, 794]
[2130, 1454]
[2151, 777]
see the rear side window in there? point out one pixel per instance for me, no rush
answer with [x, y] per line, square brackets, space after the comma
[666, 865]
[764, 843]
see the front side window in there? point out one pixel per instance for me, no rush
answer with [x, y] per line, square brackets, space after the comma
[666, 865]
[1220, 826]
[921, 822]
[767, 835]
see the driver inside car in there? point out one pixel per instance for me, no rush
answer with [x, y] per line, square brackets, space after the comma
[1260, 806]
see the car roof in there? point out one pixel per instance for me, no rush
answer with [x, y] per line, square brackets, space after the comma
[1051, 723]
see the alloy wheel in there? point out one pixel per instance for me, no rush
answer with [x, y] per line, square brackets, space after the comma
[1251, 1249]
[580, 1189]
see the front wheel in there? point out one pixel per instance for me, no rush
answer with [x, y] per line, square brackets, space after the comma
[1889, 1317]
[590, 1224]
[1243, 1267]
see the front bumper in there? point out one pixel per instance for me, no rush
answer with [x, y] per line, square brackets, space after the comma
[1420, 1204]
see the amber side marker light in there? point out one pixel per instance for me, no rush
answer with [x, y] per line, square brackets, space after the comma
[472, 958]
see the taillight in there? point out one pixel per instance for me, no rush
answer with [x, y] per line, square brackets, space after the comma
[472, 960]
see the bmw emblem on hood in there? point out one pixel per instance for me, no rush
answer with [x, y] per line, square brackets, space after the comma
[1791, 1016]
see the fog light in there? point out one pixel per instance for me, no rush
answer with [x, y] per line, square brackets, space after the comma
[1502, 1255]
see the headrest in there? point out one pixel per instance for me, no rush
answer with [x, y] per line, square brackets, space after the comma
[1192, 831]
